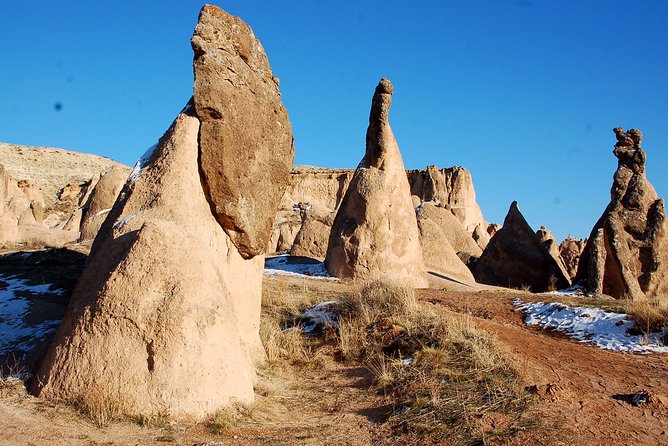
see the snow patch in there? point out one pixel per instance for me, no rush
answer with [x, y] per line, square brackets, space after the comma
[16, 334]
[591, 325]
[573, 291]
[97, 214]
[139, 165]
[284, 266]
[118, 225]
[319, 318]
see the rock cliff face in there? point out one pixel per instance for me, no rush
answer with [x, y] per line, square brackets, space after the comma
[516, 258]
[324, 188]
[101, 199]
[375, 232]
[56, 184]
[552, 247]
[165, 318]
[570, 251]
[627, 252]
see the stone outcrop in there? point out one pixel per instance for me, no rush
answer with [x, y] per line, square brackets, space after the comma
[450, 188]
[435, 239]
[245, 134]
[461, 240]
[165, 317]
[375, 231]
[313, 235]
[59, 183]
[627, 252]
[552, 247]
[570, 251]
[102, 198]
[516, 258]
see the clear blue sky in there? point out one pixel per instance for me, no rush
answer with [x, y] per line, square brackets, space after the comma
[524, 93]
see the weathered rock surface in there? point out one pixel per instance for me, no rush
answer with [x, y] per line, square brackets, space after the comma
[459, 239]
[375, 230]
[313, 235]
[570, 251]
[627, 252]
[438, 252]
[102, 198]
[516, 258]
[450, 188]
[56, 182]
[165, 318]
[552, 247]
[245, 136]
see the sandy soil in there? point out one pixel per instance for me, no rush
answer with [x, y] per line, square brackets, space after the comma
[582, 395]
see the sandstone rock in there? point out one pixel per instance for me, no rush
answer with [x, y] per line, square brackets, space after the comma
[165, 317]
[516, 258]
[375, 231]
[450, 187]
[313, 235]
[570, 251]
[439, 255]
[157, 319]
[101, 200]
[552, 247]
[461, 241]
[246, 145]
[627, 251]
[481, 236]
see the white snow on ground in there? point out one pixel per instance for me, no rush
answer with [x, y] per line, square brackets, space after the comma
[15, 333]
[279, 266]
[97, 214]
[574, 291]
[320, 317]
[590, 325]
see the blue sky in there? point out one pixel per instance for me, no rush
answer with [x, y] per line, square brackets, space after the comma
[523, 93]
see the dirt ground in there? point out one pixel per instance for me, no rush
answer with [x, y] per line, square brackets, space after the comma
[583, 395]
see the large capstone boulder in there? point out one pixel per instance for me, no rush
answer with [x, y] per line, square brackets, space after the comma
[375, 234]
[516, 258]
[626, 255]
[245, 135]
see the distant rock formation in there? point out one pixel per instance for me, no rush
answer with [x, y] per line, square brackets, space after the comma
[570, 251]
[435, 239]
[165, 318]
[244, 128]
[452, 229]
[375, 231]
[57, 182]
[552, 247]
[313, 235]
[516, 258]
[627, 252]
[450, 188]
[102, 198]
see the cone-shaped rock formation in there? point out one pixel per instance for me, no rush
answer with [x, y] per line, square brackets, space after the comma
[627, 252]
[165, 318]
[375, 232]
[516, 258]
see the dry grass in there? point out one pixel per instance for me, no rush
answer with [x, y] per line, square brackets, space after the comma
[101, 406]
[440, 371]
[650, 316]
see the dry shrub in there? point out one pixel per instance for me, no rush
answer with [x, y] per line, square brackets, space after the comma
[650, 316]
[283, 303]
[441, 373]
[101, 405]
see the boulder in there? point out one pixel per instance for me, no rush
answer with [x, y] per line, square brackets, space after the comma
[245, 137]
[570, 251]
[626, 255]
[101, 200]
[516, 258]
[375, 232]
[165, 317]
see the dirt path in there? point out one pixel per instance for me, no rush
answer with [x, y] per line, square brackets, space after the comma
[585, 388]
